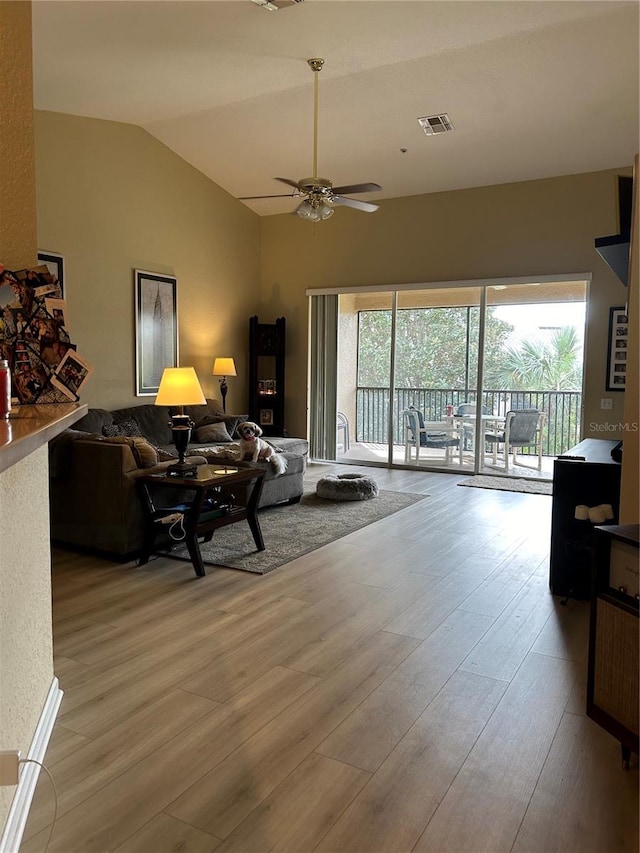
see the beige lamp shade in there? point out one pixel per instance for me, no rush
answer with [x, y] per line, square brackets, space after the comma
[224, 367]
[179, 386]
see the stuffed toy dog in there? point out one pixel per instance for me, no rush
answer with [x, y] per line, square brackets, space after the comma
[254, 449]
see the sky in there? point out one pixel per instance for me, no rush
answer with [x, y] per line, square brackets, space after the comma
[538, 321]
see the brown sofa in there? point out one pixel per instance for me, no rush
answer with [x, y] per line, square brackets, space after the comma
[94, 500]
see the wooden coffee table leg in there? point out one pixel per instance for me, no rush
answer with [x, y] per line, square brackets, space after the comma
[191, 541]
[254, 524]
[149, 538]
[252, 507]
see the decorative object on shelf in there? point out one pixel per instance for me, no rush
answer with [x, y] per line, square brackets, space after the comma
[224, 367]
[179, 387]
[156, 329]
[44, 364]
[617, 353]
[266, 375]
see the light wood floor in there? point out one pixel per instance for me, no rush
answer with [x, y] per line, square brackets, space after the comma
[410, 687]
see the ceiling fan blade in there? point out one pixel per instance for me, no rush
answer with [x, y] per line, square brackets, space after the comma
[355, 203]
[281, 195]
[357, 188]
[288, 181]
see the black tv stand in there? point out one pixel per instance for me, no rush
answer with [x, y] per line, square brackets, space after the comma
[585, 475]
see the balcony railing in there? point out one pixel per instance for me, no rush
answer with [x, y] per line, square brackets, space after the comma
[562, 408]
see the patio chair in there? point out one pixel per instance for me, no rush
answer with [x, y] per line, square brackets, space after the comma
[343, 427]
[467, 431]
[418, 434]
[522, 428]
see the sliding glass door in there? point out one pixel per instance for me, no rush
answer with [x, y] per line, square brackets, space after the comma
[435, 372]
[428, 376]
[364, 387]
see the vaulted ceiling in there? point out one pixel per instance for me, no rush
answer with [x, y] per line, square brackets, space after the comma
[533, 89]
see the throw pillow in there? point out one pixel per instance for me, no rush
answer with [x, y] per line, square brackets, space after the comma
[230, 421]
[164, 455]
[212, 433]
[144, 454]
[129, 428]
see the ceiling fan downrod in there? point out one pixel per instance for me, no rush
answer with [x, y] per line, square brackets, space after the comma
[316, 67]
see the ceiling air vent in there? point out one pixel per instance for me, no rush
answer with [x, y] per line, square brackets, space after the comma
[435, 124]
[274, 5]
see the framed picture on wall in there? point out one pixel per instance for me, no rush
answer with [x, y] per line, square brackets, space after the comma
[55, 264]
[266, 417]
[156, 313]
[617, 354]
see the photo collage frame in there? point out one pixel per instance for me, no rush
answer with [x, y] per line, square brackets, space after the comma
[618, 349]
[45, 366]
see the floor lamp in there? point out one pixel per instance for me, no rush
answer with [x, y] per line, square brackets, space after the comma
[179, 387]
[224, 367]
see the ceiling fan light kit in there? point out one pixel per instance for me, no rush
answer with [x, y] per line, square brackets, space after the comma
[320, 193]
[314, 210]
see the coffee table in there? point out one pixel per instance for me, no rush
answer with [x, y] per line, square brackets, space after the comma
[192, 500]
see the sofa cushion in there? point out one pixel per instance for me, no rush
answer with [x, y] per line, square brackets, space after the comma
[152, 420]
[145, 455]
[212, 433]
[94, 420]
[230, 421]
[299, 446]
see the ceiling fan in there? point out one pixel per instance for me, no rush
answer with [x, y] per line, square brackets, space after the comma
[320, 193]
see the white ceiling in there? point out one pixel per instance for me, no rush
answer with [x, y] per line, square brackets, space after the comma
[534, 89]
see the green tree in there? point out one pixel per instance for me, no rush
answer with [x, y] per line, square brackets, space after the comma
[553, 365]
[430, 347]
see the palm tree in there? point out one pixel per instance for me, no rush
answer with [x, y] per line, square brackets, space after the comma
[541, 365]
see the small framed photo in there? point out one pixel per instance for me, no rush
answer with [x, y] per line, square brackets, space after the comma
[55, 264]
[266, 417]
[71, 375]
[156, 313]
[617, 352]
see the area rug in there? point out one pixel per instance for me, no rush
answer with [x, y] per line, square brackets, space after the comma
[508, 484]
[291, 531]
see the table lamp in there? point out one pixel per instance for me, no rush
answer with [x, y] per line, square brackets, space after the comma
[224, 367]
[179, 387]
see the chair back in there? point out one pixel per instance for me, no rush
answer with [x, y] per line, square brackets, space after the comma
[523, 424]
[470, 409]
[414, 422]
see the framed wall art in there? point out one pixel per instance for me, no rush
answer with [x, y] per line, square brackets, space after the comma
[617, 354]
[55, 265]
[156, 312]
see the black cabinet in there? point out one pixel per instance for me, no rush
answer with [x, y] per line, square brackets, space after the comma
[585, 476]
[266, 375]
[613, 683]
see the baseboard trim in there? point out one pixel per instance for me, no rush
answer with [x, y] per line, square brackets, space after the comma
[29, 773]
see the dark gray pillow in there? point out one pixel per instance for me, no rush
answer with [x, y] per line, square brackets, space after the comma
[94, 420]
[230, 421]
[212, 433]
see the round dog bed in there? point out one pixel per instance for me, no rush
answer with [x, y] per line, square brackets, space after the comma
[347, 487]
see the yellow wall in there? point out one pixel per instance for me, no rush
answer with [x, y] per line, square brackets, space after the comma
[112, 199]
[544, 227]
[26, 660]
[17, 177]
